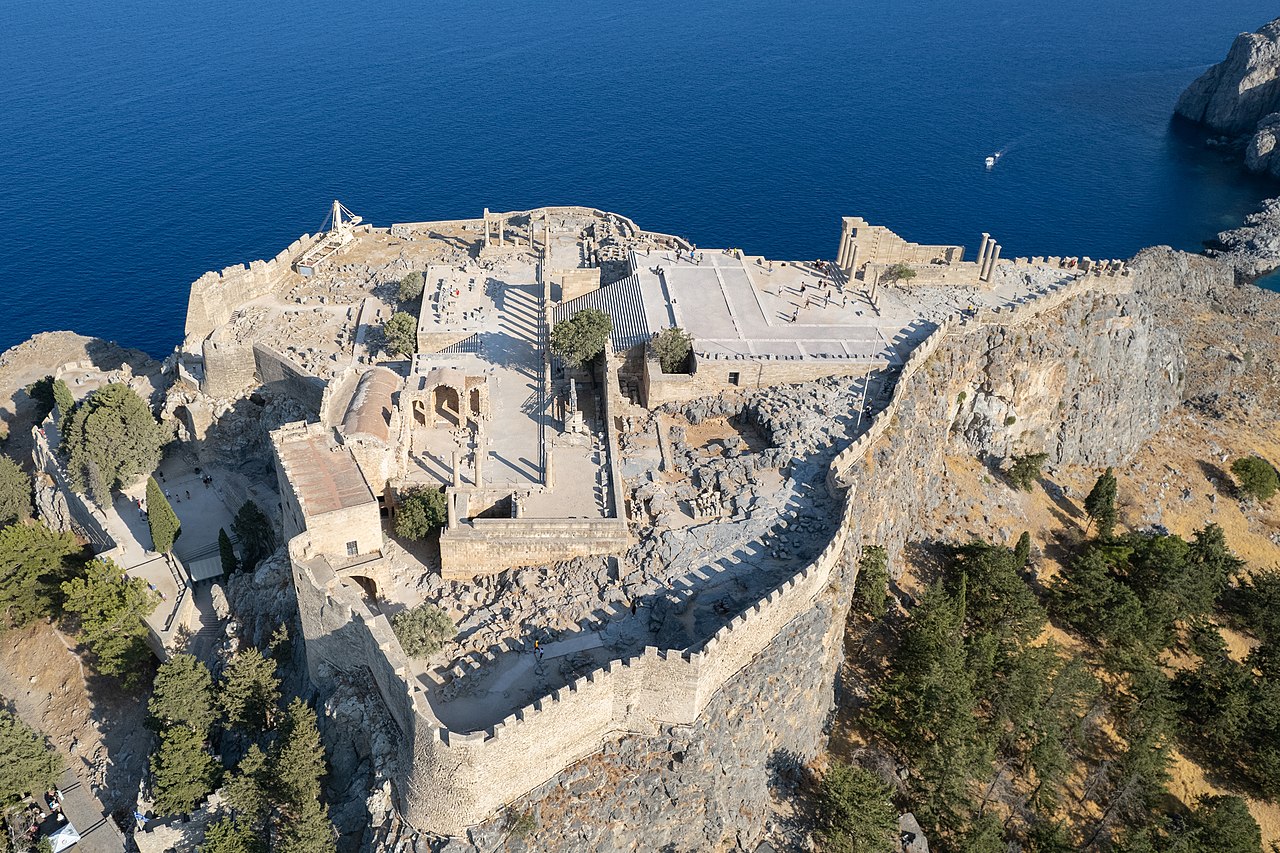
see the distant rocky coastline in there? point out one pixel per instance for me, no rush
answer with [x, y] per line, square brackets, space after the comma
[1240, 98]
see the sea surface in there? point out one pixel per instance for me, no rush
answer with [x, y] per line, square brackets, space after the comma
[143, 142]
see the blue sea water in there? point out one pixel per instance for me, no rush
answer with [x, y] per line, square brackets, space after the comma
[143, 142]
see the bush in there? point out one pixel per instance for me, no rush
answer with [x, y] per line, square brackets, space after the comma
[111, 440]
[855, 813]
[672, 346]
[1256, 476]
[15, 492]
[421, 512]
[582, 337]
[411, 287]
[163, 521]
[401, 332]
[422, 630]
[1025, 470]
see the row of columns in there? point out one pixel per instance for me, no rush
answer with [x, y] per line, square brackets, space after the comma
[495, 230]
[988, 254]
[847, 257]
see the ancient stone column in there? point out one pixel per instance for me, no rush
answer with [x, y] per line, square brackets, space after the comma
[457, 469]
[486, 226]
[982, 252]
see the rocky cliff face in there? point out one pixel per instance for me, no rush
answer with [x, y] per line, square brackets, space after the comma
[1086, 383]
[1240, 96]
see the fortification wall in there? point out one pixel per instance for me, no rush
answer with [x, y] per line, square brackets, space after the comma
[279, 371]
[216, 295]
[707, 726]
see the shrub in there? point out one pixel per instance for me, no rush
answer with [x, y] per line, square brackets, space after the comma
[422, 630]
[1010, 421]
[855, 813]
[672, 346]
[421, 512]
[401, 332]
[411, 286]
[898, 272]
[582, 337]
[1025, 470]
[1256, 476]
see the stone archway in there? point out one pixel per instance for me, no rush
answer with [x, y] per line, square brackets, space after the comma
[420, 412]
[186, 425]
[448, 404]
[367, 585]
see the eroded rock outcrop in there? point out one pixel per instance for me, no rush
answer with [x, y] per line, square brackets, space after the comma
[1240, 96]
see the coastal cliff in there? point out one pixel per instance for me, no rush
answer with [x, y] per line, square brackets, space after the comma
[1240, 97]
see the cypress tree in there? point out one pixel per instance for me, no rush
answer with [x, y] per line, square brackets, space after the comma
[161, 518]
[257, 536]
[249, 691]
[228, 554]
[1100, 505]
[183, 694]
[65, 401]
[182, 771]
[1022, 550]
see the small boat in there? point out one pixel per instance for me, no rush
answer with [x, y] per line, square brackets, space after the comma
[991, 159]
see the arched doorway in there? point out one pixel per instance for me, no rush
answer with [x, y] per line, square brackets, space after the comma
[367, 586]
[448, 404]
[420, 412]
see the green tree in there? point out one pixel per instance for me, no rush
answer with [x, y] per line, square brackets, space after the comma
[163, 521]
[41, 393]
[1256, 477]
[15, 492]
[1022, 551]
[1088, 598]
[33, 561]
[249, 691]
[227, 553]
[855, 811]
[112, 609]
[308, 830]
[421, 512]
[65, 401]
[401, 332]
[246, 790]
[422, 630]
[257, 537]
[411, 287]
[672, 346]
[896, 273]
[998, 601]
[230, 835]
[985, 835]
[28, 765]
[1100, 503]
[114, 430]
[1222, 824]
[581, 337]
[872, 588]
[1025, 470]
[183, 773]
[183, 695]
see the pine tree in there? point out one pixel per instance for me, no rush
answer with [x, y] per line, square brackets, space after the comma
[163, 521]
[246, 790]
[298, 759]
[307, 831]
[1100, 504]
[230, 835]
[114, 430]
[227, 552]
[33, 561]
[183, 695]
[29, 764]
[1022, 550]
[182, 771]
[855, 811]
[250, 691]
[872, 586]
[15, 492]
[112, 608]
